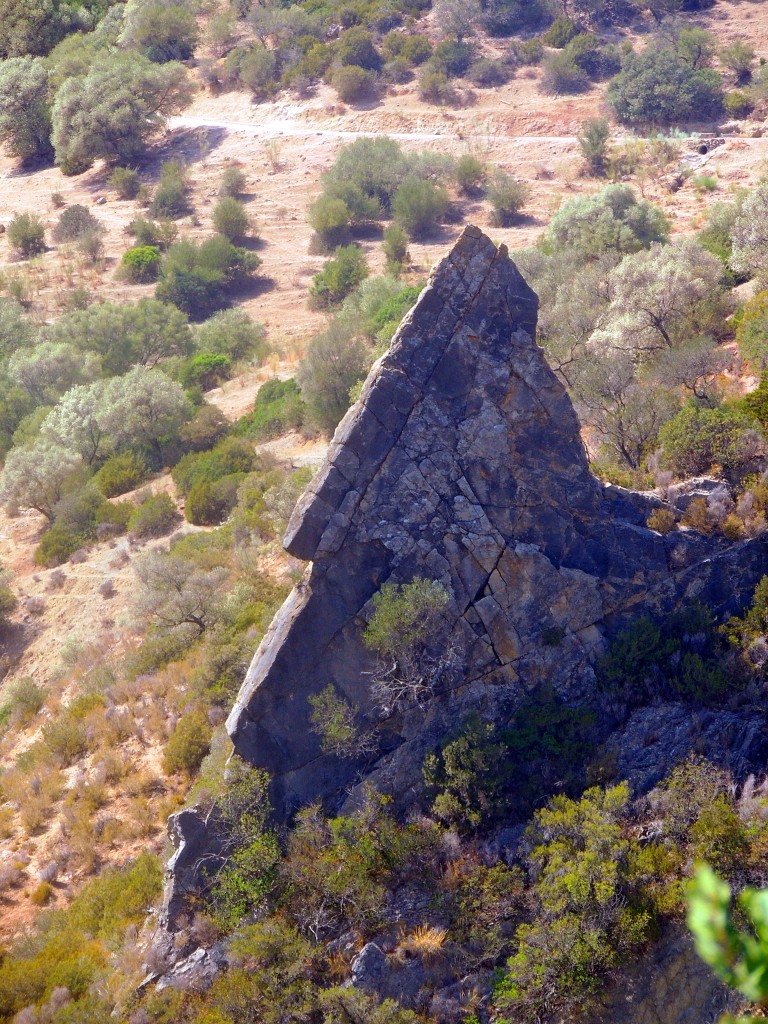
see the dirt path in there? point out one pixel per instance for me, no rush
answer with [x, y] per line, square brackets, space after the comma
[279, 127]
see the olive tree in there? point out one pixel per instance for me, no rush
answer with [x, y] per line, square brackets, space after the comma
[36, 476]
[25, 110]
[76, 422]
[623, 411]
[50, 368]
[143, 407]
[661, 297]
[612, 220]
[113, 110]
[750, 233]
[175, 593]
[125, 334]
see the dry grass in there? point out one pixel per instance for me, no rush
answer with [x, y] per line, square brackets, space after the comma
[425, 942]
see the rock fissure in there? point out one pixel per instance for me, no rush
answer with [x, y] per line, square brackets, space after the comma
[462, 462]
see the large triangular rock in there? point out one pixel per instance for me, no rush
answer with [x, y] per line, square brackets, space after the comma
[461, 462]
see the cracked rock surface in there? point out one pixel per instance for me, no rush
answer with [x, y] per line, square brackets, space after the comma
[462, 462]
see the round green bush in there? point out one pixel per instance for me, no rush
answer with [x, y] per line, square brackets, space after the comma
[188, 745]
[75, 222]
[125, 181]
[26, 235]
[140, 264]
[352, 83]
[231, 219]
[155, 517]
[121, 473]
[56, 545]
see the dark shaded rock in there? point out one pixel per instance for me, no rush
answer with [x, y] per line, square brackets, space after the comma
[462, 462]
[671, 985]
[192, 840]
[657, 738]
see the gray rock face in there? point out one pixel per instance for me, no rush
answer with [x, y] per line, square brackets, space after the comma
[462, 462]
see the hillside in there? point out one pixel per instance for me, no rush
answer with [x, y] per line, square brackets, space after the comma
[516, 688]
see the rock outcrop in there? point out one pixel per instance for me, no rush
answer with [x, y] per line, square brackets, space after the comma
[462, 462]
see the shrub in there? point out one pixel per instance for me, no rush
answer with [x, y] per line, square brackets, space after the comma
[233, 183]
[121, 473]
[435, 87]
[171, 195]
[206, 371]
[333, 363]
[230, 456]
[26, 234]
[230, 219]
[470, 173]
[662, 520]
[41, 894]
[189, 743]
[452, 58]
[154, 517]
[355, 49]
[395, 246]
[277, 408]
[419, 205]
[560, 33]
[752, 330]
[75, 222]
[198, 278]
[738, 104]
[658, 86]
[8, 602]
[56, 545]
[593, 143]
[339, 276]
[125, 181]
[24, 700]
[487, 73]
[233, 334]
[258, 69]
[507, 197]
[562, 75]
[333, 719]
[352, 83]
[698, 438]
[140, 264]
[329, 217]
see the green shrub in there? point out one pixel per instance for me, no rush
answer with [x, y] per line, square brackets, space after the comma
[435, 87]
[419, 206]
[396, 246]
[561, 75]
[8, 602]
[452, 58]
[470, 173]
[560, 33]
[356, 49]
[658, 86]
[507, 197]
[75, 222]
[593, 143]
[258, 71]
[56, 545]
[277, 409]
[41, 894]
[233, 183]
[26, 234]
[329, 217]
[65, 739]
[204, 505]
[488, 73]
[230, 219]
[206, 371]
[125, 181]
[23, 701]
[171, 194]
[230, 456]
[738, 104]
[698, 438]
[149, 232]
[121, 473]
[232, 333]
[189, 743]
[531, 51]
[339, 276]
[116, 515]
[199, 278]
[140, 264]
[352, 83]
[154, 517]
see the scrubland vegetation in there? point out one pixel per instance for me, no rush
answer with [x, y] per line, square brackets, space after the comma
[108, 432]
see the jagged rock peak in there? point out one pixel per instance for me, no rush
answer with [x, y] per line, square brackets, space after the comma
[461, 462]
[465, 354]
